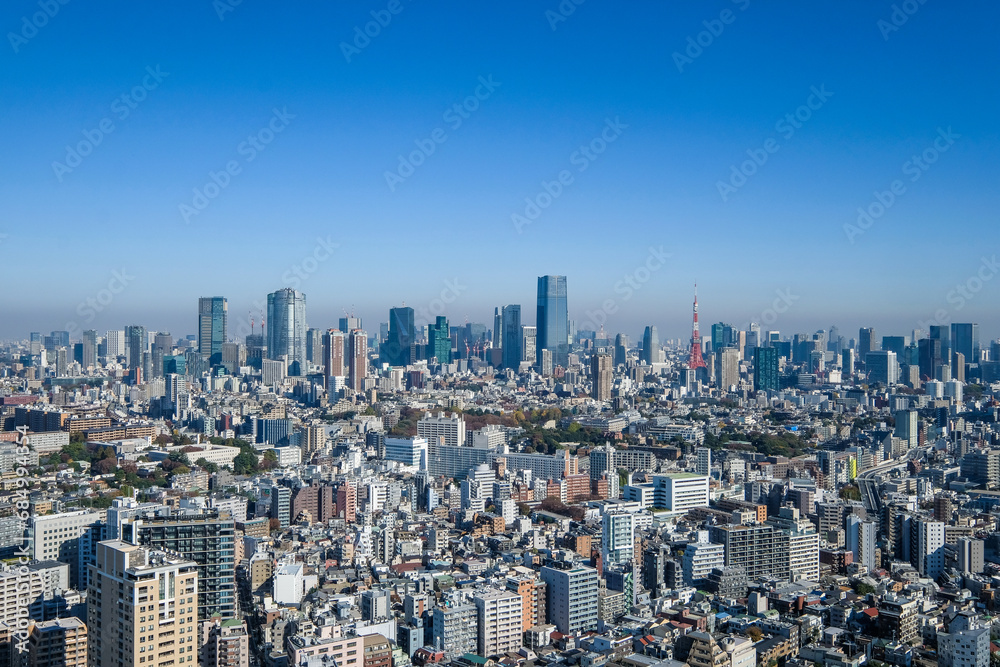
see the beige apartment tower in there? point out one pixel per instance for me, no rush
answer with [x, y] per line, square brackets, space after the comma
[142, 605]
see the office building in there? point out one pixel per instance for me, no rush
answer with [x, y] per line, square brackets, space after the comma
[439, 341]
[601, 366]
[510, 321]
[908, 427]
[680, 492]
[142, 607]
[572, 598]
[114, 343]
[89, 357]
[136, 345]
[286, 329]
[408, 451]
[448, 430]
[552, 319]
[882, 368]
[213, 316]
[58, 643]
[727, 368]
[399, 348]
[529, 344]
[651, 352]
[206, 539]
[866, 342]
[357, 358]
[281, 505]
[68, 537]
[500, 621]
[765, 369]
[349, 323]
[965, 341]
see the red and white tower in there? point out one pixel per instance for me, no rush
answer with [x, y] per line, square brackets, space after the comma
[696, 361]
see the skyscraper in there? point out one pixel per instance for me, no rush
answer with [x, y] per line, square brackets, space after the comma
[397, 350]
[286, 329]
[333, 355]
[621, 349]
[350, 323]
[552, 319]
[866, 343]
[765, 368]
[136, 344]
[357, 360]
[965, 340]
[651, 346]
[529, 344]
[882, 367]
[510, 320]
[213, 322]
[600, 371]
[727, 368]
[206, 539]
[942, 333]
[439, 340]
[89, 349]
[126, 580]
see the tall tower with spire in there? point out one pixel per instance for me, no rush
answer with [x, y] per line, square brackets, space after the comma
[696, 361]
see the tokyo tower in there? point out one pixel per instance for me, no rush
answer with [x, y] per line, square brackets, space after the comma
[696, 361]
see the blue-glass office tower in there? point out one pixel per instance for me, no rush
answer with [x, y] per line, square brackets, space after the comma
[511, 322]
[213, 314]
[398, 348]
[943, 334]
[553, 319]
[286, 328]
[895, 344]
[765, 369]
[965, 339]
[439, 340]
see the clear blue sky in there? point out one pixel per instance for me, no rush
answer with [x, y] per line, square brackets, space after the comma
[656, 184]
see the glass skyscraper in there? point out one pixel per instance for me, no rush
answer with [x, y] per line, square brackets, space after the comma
[286, 328]
[511, 323]
[213, 314]
[439, 340]
[553, 319]
[397, 350]
[965, 339]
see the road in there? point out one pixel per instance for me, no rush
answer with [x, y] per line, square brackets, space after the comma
[868, 480]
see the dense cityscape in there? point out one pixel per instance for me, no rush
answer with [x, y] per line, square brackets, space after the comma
[498, 493]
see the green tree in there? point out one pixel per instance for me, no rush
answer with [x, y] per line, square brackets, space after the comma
[207, 465]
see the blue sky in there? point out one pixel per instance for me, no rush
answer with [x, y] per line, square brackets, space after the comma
[346, 120]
